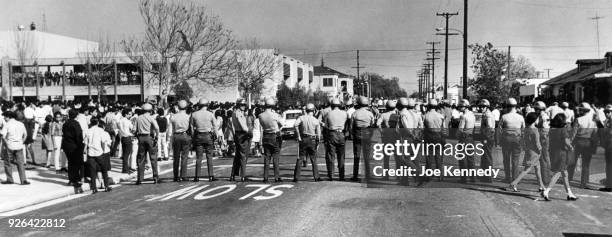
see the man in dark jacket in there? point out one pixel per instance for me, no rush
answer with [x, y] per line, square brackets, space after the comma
[72, 144]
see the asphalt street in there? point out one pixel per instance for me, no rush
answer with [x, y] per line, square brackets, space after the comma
[325, 208]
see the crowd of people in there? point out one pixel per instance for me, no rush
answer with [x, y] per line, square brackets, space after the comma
[81, 138]
[72, 78]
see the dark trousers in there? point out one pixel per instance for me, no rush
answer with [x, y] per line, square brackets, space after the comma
[511, 149]
[271, 144]
[433, 154]
[583, 150]
[241, 140]
[75, 166]
[95, 164]
[180, 150]
[308, 149]
[336, 150]
[608, 153]
[486, 159]
[146, 146]
[204, 146]
[126, 148]
[360, 150]
[116, 141]
[14, 157]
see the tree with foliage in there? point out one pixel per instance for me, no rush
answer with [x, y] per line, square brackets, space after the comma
[182, 41]
[383, 87]
[297, 97]
[490, 79]
[254, 65]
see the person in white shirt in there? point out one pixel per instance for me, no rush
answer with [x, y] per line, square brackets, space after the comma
[13, 136]
[97, 144]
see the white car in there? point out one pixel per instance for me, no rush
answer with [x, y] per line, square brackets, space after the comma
[289, 118]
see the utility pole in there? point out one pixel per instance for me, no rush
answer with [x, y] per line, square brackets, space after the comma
[429, 80]
[596, 19]
[508, 69]
[465, 46]
[433, 57]
[548, 72]
[362, 91]
[446, 15]
[420, 75]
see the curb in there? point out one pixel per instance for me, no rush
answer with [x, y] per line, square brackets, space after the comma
[69, 191]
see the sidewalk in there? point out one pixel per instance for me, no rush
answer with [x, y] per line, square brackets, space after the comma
[46, 185]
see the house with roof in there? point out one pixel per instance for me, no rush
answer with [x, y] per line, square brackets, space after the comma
[333, 82]
[590, 81]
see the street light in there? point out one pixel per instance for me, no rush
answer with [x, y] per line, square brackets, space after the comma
[453, 29]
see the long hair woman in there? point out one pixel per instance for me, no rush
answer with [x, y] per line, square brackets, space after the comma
[560, 148]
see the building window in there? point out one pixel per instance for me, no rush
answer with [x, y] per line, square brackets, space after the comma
[310, 76]
[343, 85]
[286, 71]
[328, 82]
[300, 74]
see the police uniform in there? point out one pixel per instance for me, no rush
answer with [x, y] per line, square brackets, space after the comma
[607, 144]
[465, 133]
[146, 131]
[487, 137]
[433, 122]
[335, 122]
[388, 122]
[584, 142]
[242, 135]
[203, 125]
[410, 124]
[324, 131]
[181, 142]
[271, 122]
[511, 124]
[309, 131]
[361, 120]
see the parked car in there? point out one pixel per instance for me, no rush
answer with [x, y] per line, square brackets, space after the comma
[289, 118]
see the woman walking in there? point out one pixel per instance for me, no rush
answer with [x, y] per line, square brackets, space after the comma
[533, 151]
[560, 150]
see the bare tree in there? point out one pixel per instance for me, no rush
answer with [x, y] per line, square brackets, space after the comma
[26, 52]
[182, 41]
[254, 65]
[98, 58]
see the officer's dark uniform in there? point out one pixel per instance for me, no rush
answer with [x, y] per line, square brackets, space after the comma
[336, 123]
[146, 130]
[271, 139]
[411, 125]
[308, 130]
[361, 121]
[388, 123]
[203, 124]
[465, 133]
[433, 122]
[242, 136]
[487, 137]
[181, 142]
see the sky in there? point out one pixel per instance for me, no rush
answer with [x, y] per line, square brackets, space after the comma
[552, 34]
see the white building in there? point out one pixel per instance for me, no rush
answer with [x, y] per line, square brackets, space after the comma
[57, 55]
[530, 88]
[332, 82]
